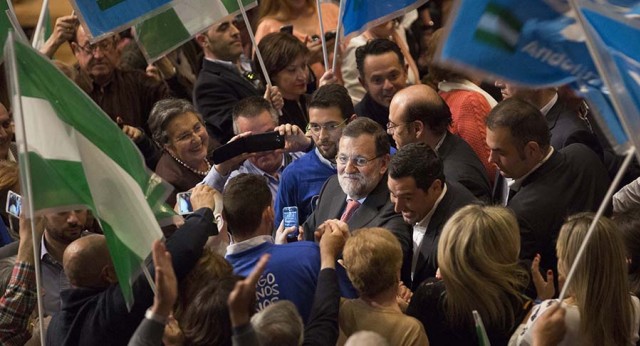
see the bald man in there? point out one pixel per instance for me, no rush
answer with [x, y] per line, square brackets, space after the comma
[93, 311]
[418, 114]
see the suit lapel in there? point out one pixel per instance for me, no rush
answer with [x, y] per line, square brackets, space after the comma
[226, 73]
[371, 206]
[434, 228]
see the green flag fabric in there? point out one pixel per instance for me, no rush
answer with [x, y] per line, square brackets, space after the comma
[77, 157]
[168, 30]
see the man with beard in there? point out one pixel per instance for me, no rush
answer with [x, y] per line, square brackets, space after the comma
[329, 111]
[419, 191]
[61, 229]
[254, 115]
[358, 194]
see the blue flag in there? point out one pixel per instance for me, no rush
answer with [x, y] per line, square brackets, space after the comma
[102, 17]
[536, 43]
[359, 15]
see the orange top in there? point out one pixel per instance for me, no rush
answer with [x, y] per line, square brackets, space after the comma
[469, 111]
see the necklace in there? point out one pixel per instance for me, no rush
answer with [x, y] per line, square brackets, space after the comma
[202, 173]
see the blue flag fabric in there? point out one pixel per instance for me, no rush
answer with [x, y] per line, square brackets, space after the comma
[359, 15]
[537, 43]
[102, 17]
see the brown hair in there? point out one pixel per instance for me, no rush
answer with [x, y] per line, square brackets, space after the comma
[245, 198]
[279, 50]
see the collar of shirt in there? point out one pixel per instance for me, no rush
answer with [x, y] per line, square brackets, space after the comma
[228, 64]
[10, 156]
[544, 110]
[253, 169]
[424, 223]
[323, 160]
[440, 142]
[44, 253]
[85, 78]
[515, 184]
[248, 244]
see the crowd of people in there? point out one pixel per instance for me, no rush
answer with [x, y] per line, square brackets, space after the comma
[425, 199]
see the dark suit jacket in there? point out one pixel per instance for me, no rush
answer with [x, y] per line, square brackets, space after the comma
[217, 90]
[457, 196]
[462, 165]
[573, 180]
[567, 127]
[100, 316]
[376, 211]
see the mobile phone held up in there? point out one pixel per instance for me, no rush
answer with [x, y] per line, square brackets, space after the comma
[184, 203]
[290, 219]
[250, 144]
[14, 204]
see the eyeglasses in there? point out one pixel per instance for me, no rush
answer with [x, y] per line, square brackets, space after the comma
[358, 161]
[104, 45]
[316, 128]
[391, 126]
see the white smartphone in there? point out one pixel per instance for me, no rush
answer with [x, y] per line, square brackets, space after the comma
[184, 203]
[14, 204]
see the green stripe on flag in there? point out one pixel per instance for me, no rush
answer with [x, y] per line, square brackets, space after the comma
[494, 40]
[505, 15]
[165, 30]
[78, 156]
[232, 5]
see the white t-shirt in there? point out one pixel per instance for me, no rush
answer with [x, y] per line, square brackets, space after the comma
[572, 321]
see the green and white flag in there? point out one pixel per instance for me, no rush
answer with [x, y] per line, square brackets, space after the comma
[44, 28]
[8, 21]
[72, 155]
[168, 30]
[499, 27]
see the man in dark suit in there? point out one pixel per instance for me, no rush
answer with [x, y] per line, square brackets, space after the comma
[418, 114]
[545, 185]
[222, 82]
[418, 191]
[358, 194]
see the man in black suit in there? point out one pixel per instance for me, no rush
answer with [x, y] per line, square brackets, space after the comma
[545, 185]
[418, 114]
[222, 82]
[565, 123]
[358, 194]
[418, 191]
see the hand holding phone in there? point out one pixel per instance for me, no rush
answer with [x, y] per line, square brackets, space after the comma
[250, 144]
[290, 219]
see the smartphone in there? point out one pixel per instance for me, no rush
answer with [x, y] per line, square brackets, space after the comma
[184, 203]
[251, 144]
[290, 219]
[14, 204]
[287, 29]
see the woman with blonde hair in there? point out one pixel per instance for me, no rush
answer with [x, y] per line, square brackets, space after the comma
[600, 281]
[478, 259]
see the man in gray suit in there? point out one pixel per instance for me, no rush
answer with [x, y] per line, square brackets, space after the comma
[358, 194]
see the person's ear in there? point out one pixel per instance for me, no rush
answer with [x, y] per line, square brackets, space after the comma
[385, 163]
[532, 149]
[108, 274]
[202, 40]
[419, 128]
[352, 118]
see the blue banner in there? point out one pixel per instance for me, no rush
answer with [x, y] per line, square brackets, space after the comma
[539, 43]
[359, 15]
[102, 17]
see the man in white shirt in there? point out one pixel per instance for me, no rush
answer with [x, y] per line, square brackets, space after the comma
[418, 191]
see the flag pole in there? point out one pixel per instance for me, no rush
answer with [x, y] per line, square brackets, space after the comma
[39, 32]
[603, 206]
[253, 42]
[338, 29]
[325, 55]
[25, 174]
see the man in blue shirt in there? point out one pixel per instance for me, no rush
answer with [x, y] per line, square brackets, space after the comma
[329, 111]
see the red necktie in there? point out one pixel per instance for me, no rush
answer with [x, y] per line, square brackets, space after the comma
[352, 206]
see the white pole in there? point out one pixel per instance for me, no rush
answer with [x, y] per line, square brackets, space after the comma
[12, 73]
[325, 55]
[338, 30]
[255, 45]
[39, 32]
[592, 227]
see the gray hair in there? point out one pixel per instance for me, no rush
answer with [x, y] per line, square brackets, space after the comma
[279, 324]
[163, 112]
[251, 107]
